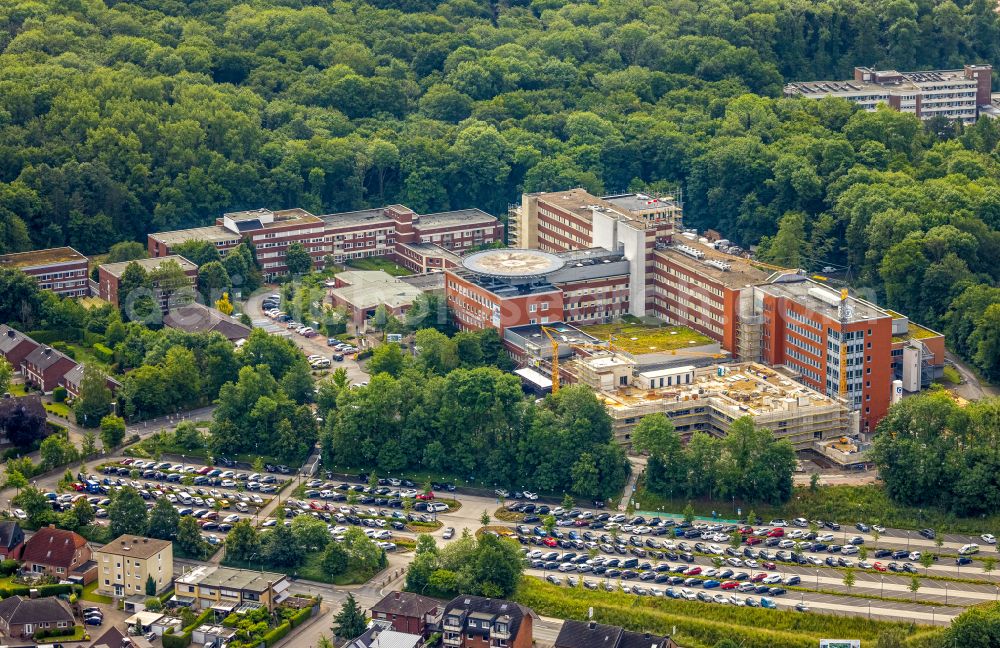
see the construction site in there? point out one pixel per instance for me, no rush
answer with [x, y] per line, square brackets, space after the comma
[697, 390]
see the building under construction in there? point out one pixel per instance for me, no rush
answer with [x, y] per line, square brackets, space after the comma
[709, 398]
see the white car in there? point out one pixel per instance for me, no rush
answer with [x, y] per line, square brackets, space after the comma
[772, 579]
[969, 549]
[20, 514]
[824, 537]
[988, 538]
[230, 519]
[778, 523]
[528, 495]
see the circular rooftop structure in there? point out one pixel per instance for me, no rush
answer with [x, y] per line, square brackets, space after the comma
[512, 263]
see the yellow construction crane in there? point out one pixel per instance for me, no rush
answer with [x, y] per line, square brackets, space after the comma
[555, 357]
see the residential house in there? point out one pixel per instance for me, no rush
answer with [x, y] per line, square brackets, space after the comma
[408, 612]
[478, 622]
[21, 617]
[60, 553]
[590, 634]
[15, 346]
[198, 318]
[45, 367]
[74, 378]
[126, 562]
[379, 636]
[227, 590]
[115, 638]
[11, 540]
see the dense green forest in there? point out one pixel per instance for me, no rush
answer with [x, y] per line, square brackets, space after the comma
[121, 118]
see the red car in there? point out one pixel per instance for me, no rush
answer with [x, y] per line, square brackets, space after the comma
[756, 578]
[745, 530]
[205, 470]
[77, 486]
[776, 533]
[692, 571]
[729, 585]
[425, 496]
[769, 565]
[752, 540]
[549, 542]
[581, 523]
[879, 567]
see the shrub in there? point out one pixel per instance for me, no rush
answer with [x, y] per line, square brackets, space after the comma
[171, 640]
[8, 567]
[54, 632]
[64, 348]
[299, 617]
[103, 353]
[59, 394]
[276, 635]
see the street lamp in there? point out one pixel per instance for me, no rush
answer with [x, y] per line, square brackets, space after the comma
[945, 592]
[817, 580]
[882, 590]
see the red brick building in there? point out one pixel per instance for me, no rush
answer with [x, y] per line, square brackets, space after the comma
[477, 622]
[45, 367]
[62, 270]
[838, 344]
[408, 612]
[60, 553]
[11, 540]
[15, 346]
[420, 243]
[110, 275]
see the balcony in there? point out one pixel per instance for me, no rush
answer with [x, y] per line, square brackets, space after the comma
[452, 639]
[500, 632]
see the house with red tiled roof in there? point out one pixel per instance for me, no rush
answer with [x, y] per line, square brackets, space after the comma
[60, 553]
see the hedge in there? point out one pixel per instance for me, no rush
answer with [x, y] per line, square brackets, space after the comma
[64, 348]
[103, 353]
[44, 590]
[51, 336]
[54, 632]
[183, 640]
[299, 617]
[276, 635]
[171, 640]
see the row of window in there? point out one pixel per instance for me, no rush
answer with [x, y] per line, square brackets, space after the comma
[686, 280]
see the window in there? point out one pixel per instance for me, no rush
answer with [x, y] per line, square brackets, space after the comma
[532, 308]
[545, 306]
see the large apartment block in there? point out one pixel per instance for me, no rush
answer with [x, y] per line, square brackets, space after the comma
[955, 94]
[477, 622]
[422, 243]
[62, 270]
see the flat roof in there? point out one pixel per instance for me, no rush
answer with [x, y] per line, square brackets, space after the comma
[534, 377]
[455, 217]
[210, 233]
[747, 388]
[741, 272]
[132, 545]
[822, 299]
[116, 269]
[360, 217]
[373, 287]
[512, 263]
[640, 203]
[643, 338]
[564, 333]
[502, 287]
[241, 579]
[909, 82]
[35, 258]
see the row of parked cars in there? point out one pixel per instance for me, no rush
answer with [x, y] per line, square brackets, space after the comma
[670, 592]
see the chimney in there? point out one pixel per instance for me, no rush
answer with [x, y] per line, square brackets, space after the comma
[397, 596]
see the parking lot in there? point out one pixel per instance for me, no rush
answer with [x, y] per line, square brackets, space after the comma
[740, 564]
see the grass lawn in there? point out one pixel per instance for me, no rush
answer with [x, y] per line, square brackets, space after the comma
[843, 504]
[694, 624]
[89, 594]
[379, 263]
[85, 355]
[59, 409]
[951, 375]
[17, 389]
[641, 338]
